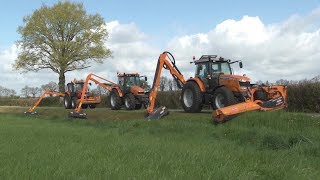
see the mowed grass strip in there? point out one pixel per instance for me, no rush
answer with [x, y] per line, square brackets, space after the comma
[122, 144]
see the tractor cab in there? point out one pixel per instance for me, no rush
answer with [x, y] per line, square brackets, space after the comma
[74, 87]
[210, 68]
[128, 80]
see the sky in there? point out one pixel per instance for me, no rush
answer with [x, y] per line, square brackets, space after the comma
[274, 39]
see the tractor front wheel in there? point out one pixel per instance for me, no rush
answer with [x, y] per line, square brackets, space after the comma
[74, 103]
[129, 101]
[67, 101]
[191, 97]
[222, 97]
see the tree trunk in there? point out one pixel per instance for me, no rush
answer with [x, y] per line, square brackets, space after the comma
[62, 81]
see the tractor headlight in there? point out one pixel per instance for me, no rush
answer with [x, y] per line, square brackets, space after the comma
[243, 87]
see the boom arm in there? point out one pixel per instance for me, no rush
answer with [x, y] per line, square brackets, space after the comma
[163, 62]
[96, 79]
[31, 109]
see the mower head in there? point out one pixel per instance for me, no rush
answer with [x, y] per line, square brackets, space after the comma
[31, 113]
[77, 115]
[158, 113]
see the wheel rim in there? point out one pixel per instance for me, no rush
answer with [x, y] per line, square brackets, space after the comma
[188, 98]
[126, 101]
[113, 101]
[65, 103]
[219, 101]
[73, 104]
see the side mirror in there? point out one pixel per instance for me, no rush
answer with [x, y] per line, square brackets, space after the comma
[145, 78]
[240, 64]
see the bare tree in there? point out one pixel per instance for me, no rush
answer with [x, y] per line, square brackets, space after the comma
[52, 86]
[163, 83]
[6, 92]
[282, 82]
[25, 91]
[35, 91]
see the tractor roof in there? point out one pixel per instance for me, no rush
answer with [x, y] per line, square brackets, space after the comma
[77, 81]
[212, 58]
[127, 74]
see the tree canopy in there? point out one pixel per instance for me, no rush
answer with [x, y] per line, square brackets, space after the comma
[61, 38]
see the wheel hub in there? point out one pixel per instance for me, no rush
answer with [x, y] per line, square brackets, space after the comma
[113, 103]
[219, 101]
[188, 98]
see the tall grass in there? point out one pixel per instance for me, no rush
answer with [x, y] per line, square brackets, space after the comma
[123, 145]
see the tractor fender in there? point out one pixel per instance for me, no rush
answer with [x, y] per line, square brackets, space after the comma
[117, 88]
[199, 82]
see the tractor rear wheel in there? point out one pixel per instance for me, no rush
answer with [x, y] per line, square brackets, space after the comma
[129, 101]
[84, 106]
[67, 101]
[92, 106]
[222, 97]
[115, 100]
[138, 106]
[191, 97]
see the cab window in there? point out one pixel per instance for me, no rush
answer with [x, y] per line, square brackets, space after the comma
[202, 70]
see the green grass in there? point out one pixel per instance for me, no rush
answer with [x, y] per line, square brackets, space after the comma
[123, 145]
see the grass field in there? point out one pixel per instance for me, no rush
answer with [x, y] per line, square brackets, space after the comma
[123, 145]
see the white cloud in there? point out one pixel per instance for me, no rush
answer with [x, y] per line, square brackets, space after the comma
[287, 50]
[15, 80]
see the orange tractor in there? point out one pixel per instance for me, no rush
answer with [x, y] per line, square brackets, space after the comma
[214, 84]
[132, 95]
[127, 92]
[71, 97]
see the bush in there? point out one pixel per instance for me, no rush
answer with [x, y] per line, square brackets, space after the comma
[304, 96]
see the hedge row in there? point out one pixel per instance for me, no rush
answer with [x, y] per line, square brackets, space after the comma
[302, 97]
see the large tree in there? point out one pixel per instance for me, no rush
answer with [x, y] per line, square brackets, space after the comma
[61, 38]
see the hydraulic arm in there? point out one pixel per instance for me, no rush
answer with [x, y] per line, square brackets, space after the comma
[96, 79]
[167, 61]
[31, 109]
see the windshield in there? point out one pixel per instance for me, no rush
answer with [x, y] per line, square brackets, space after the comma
[78, 87]
[132, 80]
[221, 67]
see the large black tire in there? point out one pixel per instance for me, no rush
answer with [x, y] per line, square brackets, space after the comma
[84, 106]
[74, 102]
[138, 106]
[115, 100]
[92, 106]
[223, 97]
[129, 102]
[67, 101]
[191, 97]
